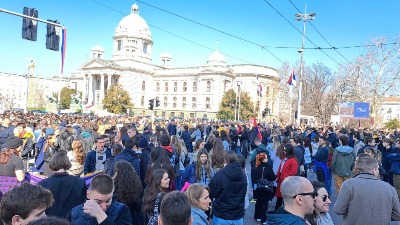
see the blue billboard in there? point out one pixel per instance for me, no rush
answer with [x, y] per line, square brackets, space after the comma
[356, 110]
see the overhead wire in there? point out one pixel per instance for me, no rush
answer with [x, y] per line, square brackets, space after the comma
[186, 39]
[263, 47]
[301, 32]
[335, 49]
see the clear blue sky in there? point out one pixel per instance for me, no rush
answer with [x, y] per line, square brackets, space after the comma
[342, 22]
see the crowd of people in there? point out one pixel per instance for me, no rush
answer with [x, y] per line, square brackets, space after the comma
[193, 172]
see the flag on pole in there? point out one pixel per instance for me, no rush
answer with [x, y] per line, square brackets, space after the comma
[292, 79]
[63, 48]
[256, 128]
[259, 86]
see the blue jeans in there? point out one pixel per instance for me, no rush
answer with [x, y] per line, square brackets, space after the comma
[219, 221]
[328, 183]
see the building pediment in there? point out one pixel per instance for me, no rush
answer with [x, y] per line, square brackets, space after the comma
[99, 64]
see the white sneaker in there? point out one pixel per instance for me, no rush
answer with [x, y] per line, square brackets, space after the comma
[258, 220]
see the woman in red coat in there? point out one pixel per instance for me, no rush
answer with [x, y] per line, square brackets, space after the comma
[287, 168]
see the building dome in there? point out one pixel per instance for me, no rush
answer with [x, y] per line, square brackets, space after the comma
[98, 48]
[216, 58]
[133, 24]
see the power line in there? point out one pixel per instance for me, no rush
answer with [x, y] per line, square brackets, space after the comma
[321, 34]
[188, 40]
[301, 32]
[263, 47]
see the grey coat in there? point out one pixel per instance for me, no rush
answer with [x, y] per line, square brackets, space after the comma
[365, 199]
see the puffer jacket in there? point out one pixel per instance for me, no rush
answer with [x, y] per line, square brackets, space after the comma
[343, 161]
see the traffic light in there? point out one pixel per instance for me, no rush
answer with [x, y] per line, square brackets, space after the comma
[29, 26]
[52, 36]
[151, 104]
[157, 103]
[264, 113]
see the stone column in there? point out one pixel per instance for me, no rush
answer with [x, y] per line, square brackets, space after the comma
[109, 81]
[84, 89]
[101, 88]
[90, 84]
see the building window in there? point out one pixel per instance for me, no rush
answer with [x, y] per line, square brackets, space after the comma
[165, 102]
[182, 115]
[184, 102]
[163, 114]
[194, 105]
[208, 86]
[142, 101]
[175, 86]
[194, 86]
[119, 45]
[172, 114]
[208, 105]
[158, 87]
[143, 85]
[166, 86]
[144, 48]
[174, 102]
[184, 86]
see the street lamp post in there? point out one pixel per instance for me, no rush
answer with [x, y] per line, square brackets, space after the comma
[30, 71]
[302, 17]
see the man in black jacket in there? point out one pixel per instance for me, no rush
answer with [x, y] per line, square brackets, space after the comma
[228, 189]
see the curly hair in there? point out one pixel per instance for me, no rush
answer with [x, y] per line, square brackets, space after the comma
[217, 157]
[6, 154]
[199, 165]
[79, 151]
[128, 186]
[153, 188]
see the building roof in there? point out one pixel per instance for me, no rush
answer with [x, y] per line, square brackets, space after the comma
[133, 24]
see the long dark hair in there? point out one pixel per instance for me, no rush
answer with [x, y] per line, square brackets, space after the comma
[289, 151]
[218, 153]
[153, 188]
[128, 186]
[199, 165]
[160, 159]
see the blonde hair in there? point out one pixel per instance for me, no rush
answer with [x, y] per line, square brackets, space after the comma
[78, 151]
[194, 193]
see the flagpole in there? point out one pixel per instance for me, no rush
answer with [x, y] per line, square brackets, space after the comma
[291, 103]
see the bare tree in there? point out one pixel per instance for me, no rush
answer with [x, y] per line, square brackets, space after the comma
[376, 73]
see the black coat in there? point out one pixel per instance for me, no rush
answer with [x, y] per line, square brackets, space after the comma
[268, 173]
[68, 192]
[228, 187]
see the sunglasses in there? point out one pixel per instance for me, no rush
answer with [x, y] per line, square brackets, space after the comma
[325, 198]
[312, 194]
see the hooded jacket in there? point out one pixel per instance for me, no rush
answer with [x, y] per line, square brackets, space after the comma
[343, 161]
[283, 217]
[132, 157]
[64, 141]
[228, 189]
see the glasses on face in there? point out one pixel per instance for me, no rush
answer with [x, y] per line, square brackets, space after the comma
[312, 194]
[325, 198]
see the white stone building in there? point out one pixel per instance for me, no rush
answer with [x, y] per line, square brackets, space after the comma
[390, 108]
[194, 92]
[15, 86]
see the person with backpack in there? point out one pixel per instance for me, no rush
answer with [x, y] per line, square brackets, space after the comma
[109, 164]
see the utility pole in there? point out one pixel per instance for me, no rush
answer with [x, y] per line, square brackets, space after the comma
[302, 17]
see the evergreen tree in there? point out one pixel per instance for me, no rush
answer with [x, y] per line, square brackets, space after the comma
[227, 106]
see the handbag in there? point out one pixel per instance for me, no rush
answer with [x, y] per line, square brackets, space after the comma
[154, 217]
[264, 184]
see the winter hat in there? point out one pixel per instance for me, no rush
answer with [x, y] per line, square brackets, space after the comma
[13, 142]
[143, 143]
